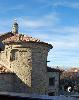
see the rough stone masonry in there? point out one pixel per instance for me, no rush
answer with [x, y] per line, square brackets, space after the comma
[25, 58]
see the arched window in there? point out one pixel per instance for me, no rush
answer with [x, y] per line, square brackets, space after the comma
[14, 55]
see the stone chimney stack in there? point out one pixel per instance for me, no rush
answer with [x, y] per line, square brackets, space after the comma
[15, 27]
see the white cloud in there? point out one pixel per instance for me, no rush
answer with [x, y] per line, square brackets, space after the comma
[66, 3]
[65, 45]
[66, 29]
[6, 9]
[44, 21]
[57, 3]
[17, 7]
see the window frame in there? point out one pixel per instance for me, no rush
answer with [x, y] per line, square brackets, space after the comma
[51, 81]
[14, 54]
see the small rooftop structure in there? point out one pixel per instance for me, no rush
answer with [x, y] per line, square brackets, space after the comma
[15, 27]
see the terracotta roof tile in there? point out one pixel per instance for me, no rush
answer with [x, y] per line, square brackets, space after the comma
[9, 37]
[6, 35]
[3, 69]
[20, 37]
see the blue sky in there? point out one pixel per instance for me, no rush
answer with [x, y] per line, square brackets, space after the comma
[52, 21]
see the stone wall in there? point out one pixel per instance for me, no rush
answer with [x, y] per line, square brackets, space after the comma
[53, 88]
[39, 69]
[6, 82]
[10, 82]
[22, 67]
[5, 56]
[28, 60]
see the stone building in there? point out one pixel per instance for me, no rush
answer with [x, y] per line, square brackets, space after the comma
[23, 63]
[53, 80]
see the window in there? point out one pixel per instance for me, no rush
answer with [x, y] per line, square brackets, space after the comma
[51, 94]
[1, 46]
[0, 49]
[52, 81]
[14, 55]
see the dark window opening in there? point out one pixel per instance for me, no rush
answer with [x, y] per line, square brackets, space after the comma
[52, 81]
[14, 55]
[51, 94]
[0, 49]
[2, 46]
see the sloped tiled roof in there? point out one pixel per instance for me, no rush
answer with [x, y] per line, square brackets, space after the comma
[3, 69]
[49, 69]
[20, 37]
[9, 37]
[5, 36]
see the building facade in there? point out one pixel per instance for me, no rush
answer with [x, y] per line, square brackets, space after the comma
[25, 61]
[53, 81]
